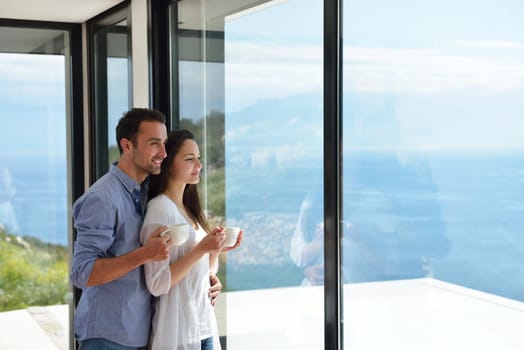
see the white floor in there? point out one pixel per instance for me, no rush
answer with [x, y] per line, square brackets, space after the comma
[421, 314]
[43, 328]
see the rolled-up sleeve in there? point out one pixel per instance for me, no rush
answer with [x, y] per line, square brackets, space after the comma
[94, 221]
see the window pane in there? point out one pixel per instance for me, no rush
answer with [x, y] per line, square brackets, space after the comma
[251, 84]
[34, 190]
[111, 84]
[433, 163]
[118, 79]
[118, 82]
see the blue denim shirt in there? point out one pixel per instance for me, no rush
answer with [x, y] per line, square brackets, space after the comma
[108, 222]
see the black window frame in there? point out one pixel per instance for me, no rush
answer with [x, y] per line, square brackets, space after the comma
[97, 81]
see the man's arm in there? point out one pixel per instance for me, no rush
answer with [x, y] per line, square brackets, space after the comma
[215, 289]
[105, 270]
[94, 216]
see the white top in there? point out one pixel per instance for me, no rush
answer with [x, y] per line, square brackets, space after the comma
[183, 315]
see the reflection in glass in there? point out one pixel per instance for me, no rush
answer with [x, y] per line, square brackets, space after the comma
[251, 86]
[273, 93]
[432, 173]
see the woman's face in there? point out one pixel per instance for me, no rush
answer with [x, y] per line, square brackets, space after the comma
[186, 164]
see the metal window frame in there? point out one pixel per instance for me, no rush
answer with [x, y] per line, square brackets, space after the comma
[97, 81]
[333, 292]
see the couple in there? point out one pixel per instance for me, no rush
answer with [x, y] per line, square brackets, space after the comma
[120, 257]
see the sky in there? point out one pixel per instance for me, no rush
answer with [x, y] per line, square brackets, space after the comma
[32, 104]
[416, 75]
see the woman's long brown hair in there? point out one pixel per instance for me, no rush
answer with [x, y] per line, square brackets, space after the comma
[158, 184]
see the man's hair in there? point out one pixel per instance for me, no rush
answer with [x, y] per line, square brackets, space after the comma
[129, 123]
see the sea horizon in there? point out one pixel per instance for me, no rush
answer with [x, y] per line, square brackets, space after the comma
[465, 207]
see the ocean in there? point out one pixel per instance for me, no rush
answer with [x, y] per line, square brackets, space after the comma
[40, 201]
[457, 217]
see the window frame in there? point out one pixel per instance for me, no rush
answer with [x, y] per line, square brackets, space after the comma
[75, 124]
[97, 81]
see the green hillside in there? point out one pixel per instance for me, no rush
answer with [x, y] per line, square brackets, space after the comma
[32, 273]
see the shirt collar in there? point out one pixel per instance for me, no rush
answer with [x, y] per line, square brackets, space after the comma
[129, 184]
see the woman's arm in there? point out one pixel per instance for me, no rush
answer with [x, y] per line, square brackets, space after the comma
[211, 243]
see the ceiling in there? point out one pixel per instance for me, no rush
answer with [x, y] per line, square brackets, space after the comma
[79, 11]
[190, 14]
[73, 11]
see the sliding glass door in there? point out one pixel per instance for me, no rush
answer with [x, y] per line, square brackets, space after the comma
[36, 175]
[433, 165]
[250, 79]
[430, 168]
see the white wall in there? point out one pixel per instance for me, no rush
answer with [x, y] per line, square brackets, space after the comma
[139, 47]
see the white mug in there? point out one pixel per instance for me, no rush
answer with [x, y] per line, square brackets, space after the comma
[178, 233]
[231, 236]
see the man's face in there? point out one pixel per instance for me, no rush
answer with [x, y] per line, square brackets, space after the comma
[149, 149]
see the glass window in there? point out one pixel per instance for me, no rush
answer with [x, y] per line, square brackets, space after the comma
[250, 82]
[433, 164]
[111, 82]
[34, 168]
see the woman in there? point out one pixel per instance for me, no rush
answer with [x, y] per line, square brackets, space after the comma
[184, 318]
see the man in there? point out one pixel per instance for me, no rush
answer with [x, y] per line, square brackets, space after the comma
[114, 311]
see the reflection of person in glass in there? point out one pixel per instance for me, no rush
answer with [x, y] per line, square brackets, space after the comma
[392, 226]
[307, 244]
[8, 220]
[184, 318]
